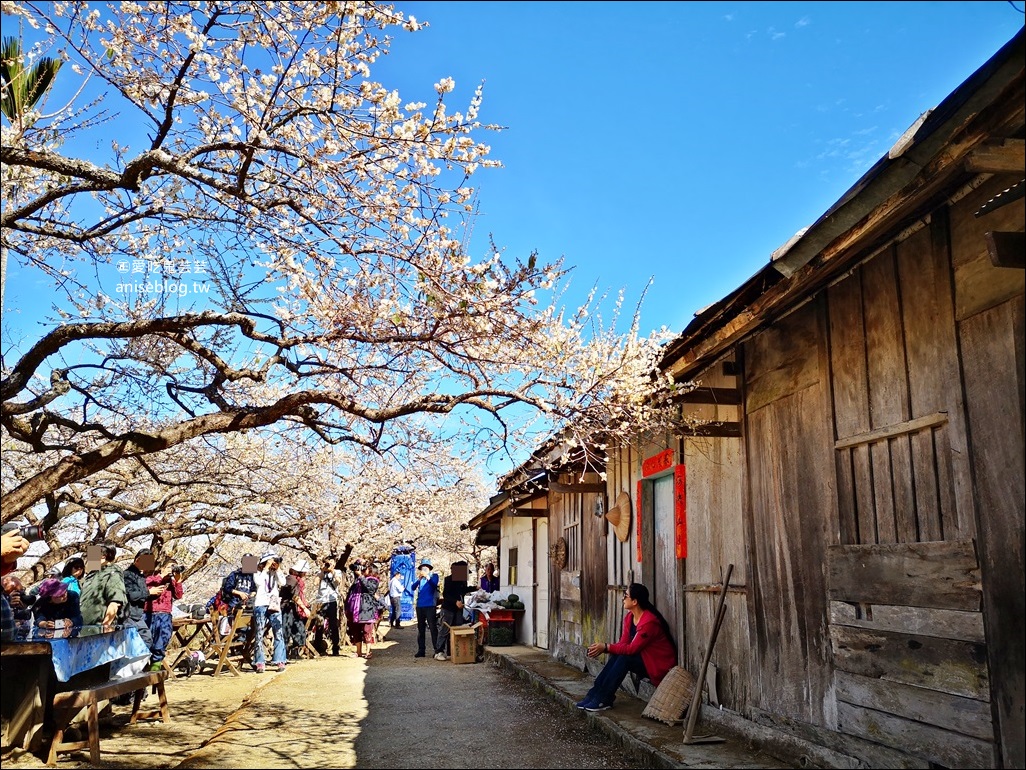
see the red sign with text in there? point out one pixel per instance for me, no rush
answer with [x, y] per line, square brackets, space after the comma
[680, 511]
[657, 463]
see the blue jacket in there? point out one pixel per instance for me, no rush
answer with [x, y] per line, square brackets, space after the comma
[427, 590]
[237, 580]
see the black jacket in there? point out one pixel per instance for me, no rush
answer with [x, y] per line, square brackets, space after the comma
[452, 592]
[138, 593]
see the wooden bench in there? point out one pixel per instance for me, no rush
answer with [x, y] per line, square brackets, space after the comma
[66, 705]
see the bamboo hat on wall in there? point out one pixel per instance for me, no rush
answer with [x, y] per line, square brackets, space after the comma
[620, 516]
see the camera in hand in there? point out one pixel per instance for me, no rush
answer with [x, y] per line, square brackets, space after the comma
[31, 532]
[178, 569]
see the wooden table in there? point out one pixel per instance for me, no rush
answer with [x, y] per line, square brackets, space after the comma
[187, 634]
[34, 671]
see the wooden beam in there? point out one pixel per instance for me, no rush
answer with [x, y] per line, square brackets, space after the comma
[715, 430]
[556, 486]
[1008, 156]
[890, 431]
[534, 513]
[705, 395]
[714, 588]
[1006, 249]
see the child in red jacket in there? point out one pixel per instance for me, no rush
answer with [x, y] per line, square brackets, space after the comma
[165, 588]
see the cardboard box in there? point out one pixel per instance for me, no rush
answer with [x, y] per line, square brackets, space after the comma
[463, 641]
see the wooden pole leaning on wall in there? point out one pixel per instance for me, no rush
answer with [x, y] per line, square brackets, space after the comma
[696, 698]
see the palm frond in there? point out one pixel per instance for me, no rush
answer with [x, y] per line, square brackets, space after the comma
[23, 89]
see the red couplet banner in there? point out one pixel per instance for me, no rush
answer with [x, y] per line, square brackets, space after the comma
[680, 510]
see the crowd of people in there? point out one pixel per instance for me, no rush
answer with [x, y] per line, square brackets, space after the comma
[92, 592]
[359, 602]
[97, 592]
[284, 604]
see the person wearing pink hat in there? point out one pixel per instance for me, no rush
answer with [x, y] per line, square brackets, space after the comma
[56, 610]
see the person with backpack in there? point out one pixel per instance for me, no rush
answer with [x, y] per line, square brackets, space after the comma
[294, 609]
[454, 588]
[328, 590]
[361, 609]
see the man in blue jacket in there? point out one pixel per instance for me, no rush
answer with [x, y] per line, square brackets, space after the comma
[426, 588]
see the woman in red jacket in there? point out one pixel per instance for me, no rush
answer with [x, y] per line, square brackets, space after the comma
[645, 648]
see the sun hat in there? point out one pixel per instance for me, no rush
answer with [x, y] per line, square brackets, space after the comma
[620, 516]
[52, 588]
[301, 566]
[269, 556]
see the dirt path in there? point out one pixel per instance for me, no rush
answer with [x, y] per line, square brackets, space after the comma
[393, 711]
[199, 706]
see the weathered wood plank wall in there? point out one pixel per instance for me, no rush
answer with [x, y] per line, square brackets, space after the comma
[620, 563]
[899, 357]
[908, 646]
[716, 538]
[792, 517]
[594, 577]
[990, 317]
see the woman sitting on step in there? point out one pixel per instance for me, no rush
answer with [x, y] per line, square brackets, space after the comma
[646, 648]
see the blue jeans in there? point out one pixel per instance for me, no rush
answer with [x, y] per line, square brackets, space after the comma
[603, 692]
[160, 629]
[263, 619]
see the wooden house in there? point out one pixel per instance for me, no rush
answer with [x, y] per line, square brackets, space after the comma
[862, 467]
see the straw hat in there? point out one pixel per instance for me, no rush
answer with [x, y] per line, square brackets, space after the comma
[620, 516]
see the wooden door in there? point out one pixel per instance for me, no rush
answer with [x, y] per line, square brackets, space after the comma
[664, 592]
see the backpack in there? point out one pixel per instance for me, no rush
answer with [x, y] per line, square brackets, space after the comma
[354, 601]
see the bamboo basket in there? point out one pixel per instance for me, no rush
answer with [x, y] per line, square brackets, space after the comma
[671, 697]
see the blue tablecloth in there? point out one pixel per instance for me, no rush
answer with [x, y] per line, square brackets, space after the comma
[81, 653]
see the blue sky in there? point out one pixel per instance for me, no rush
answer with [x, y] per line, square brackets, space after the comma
[677, 142]
[684, 142]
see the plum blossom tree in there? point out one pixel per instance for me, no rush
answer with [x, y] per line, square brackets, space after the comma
[205, 503]
[244, 232]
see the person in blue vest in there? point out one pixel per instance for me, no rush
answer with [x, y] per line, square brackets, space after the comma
[426, 588]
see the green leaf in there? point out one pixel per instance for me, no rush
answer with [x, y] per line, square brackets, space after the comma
[23, 89]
